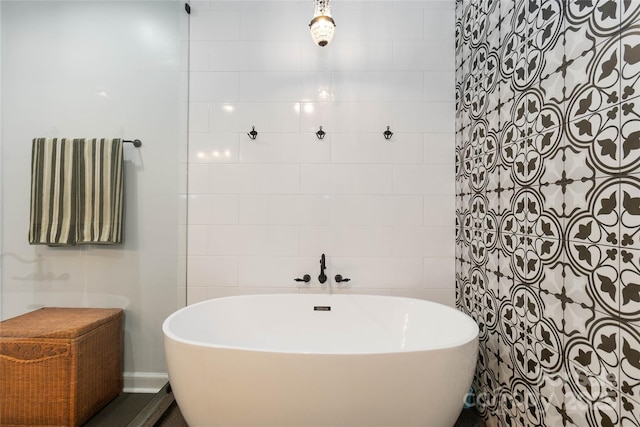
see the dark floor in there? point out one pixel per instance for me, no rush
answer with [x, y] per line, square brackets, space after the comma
[121, 410]
[172, 418]
[469, 418]
[140, 410]
[161, 410]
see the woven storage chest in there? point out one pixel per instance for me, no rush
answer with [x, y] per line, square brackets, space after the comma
[59, 366]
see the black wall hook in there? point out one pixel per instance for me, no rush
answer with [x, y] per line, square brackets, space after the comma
[253, 134]
[320, 134]
[387, 133]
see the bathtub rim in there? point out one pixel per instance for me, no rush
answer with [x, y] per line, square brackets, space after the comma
[466, 339]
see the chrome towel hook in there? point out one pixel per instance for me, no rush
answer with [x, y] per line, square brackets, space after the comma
[320, 134]
[253, 134]
[387, 133]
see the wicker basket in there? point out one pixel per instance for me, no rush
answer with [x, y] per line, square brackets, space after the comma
[59, 366]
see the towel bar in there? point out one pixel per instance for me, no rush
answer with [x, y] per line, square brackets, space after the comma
[135, 142]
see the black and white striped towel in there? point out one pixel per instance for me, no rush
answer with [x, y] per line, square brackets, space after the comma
[76, 191]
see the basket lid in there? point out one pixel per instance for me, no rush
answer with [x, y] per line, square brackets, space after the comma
[57, 322]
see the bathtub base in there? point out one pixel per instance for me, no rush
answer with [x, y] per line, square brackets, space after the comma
[239, 388]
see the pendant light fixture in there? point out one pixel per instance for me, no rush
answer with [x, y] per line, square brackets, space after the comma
[322, 25]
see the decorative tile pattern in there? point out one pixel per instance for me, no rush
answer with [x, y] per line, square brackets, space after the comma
[548, 207]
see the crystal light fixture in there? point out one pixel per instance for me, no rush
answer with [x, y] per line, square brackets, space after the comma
[322, 25]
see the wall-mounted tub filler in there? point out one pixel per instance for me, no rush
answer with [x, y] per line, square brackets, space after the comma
[322, 277]
[319, 360]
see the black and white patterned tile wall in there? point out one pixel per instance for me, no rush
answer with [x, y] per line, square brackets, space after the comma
[548, 207]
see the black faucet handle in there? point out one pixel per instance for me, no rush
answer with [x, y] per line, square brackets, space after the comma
[306, 279]
[340, 279]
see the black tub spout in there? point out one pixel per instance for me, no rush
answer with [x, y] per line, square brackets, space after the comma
[322, 277]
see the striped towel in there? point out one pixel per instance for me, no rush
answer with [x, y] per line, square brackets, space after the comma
[76, 191]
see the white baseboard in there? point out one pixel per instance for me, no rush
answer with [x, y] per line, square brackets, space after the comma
[144, 382]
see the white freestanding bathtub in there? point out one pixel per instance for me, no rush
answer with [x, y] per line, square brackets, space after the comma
[320, 360]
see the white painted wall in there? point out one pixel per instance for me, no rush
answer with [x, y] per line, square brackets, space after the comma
[98, 69]
[262, 212]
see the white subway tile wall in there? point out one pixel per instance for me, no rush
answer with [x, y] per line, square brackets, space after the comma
[261, 212]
